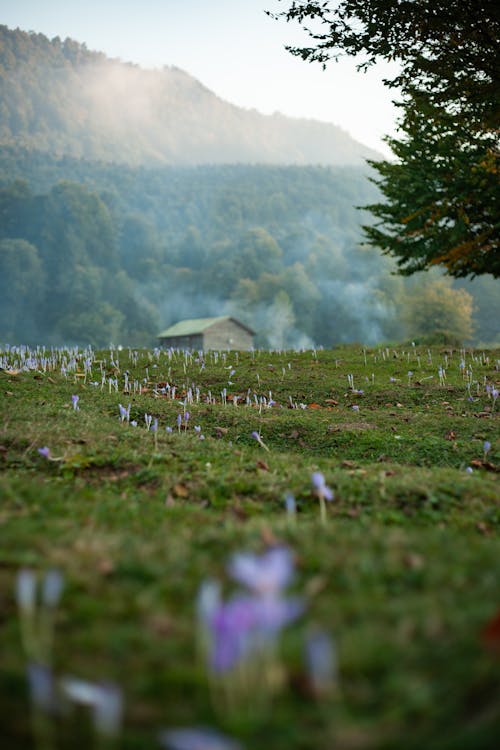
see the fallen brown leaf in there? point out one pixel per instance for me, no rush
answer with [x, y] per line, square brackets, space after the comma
[483, 528]
[490, 634]
[479, 464]
[268, 536]
[180, 490]
[105, 567]
[413, 561]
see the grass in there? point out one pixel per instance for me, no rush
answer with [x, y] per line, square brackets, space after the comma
[405, 573]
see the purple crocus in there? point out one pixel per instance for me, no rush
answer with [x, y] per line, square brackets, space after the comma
[321, 487]
[104, 700]
[52, 587]
[45, 452]
[258, 438]
[231, 627]
[75, 400]
[248, 624]
[196, 738]
[321, 661]
[41, 686]
[290, 505]
[245, 625]
[268, 573]
[322, 491]
[26, 590]
[124, 413]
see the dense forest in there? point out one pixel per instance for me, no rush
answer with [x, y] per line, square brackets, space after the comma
[95, 252]
[100, 251]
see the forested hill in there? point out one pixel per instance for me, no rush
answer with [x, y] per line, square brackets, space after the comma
[58, 96]
[96, 252]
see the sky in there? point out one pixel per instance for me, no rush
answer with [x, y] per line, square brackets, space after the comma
[231, 46]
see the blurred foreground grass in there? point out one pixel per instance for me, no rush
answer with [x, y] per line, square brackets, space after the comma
[405, 574]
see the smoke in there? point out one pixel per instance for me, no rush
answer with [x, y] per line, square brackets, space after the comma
[355, 311]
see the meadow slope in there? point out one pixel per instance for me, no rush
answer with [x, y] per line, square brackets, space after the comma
[403, 574]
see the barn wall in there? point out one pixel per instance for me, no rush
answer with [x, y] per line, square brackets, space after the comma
[227, 335]
[183, 342]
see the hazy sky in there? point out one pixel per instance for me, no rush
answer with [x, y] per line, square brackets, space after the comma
[231, 46]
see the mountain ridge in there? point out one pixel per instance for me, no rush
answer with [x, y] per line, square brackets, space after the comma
[60, 97]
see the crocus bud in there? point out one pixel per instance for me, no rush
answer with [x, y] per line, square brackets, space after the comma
[52, 588]
[26, 590]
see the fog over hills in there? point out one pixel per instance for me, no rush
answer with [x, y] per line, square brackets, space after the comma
[58, 96]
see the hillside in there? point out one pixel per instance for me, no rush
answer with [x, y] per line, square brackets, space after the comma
[58, 96]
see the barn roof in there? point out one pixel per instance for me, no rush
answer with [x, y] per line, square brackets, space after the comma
[198, 325]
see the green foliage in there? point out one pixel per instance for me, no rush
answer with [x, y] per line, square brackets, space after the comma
[181, 256]
[58, 263]
[442, 194]
[21, 279]
[438, 313]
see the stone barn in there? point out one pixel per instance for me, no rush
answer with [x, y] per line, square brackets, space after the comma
[208, 333]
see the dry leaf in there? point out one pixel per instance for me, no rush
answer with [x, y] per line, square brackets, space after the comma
[262, 465]
[479, 464]
[180, 490]
[105, 567]
[268, 536]
[160, 624]
[414, 561]
[483, 528]
[490, 634]
[239, 513]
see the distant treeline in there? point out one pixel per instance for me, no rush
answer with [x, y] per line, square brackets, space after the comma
[96, 252]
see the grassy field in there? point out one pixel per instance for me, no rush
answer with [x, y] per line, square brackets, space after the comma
[403, 574]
